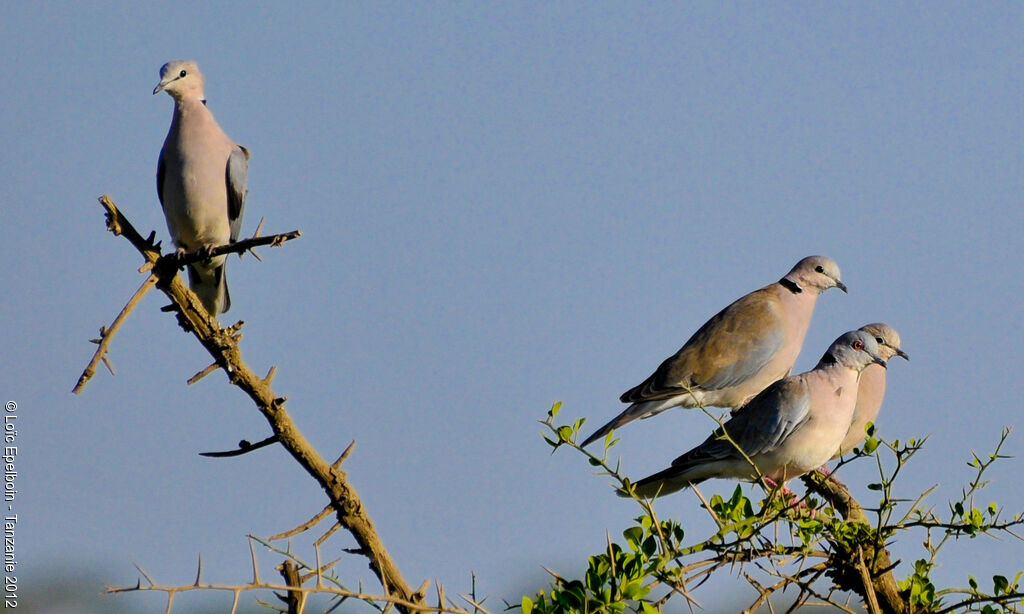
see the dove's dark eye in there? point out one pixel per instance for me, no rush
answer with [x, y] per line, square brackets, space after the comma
[182, 74]
[858, 345]
[818, 268]
[879, 340]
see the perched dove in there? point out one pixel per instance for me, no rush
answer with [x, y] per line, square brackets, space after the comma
[790, 428]
[871, 388]
[200, 181]
[737, 353]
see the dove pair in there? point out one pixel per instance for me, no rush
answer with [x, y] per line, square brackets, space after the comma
[741, 358]
[201, 182]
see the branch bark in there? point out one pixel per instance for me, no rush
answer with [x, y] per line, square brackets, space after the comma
[222, 344]
[865, 569]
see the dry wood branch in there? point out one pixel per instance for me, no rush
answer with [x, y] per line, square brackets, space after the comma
[344, 455]
[872, 599]
[198, 376]
[294, 599]
[244, 447]
[309, 524]
[237, 247]
[107, 335]
[851, 567]
[223, 347]
[164, 268]
[327, 534]
[393, 600]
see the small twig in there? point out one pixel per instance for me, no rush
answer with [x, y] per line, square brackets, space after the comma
[107, 334]
[177, 261]
[391, 600]
[422, 590]
[957, 607]
[865, 578]
[305, 526]
[344, 455]
[244, 447]
[198, 376]
[327, 534]
[707, 506]
[146, 575]
[763, 593]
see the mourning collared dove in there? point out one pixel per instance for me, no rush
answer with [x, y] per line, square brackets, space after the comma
[871, 387]
[200, 180]
[737, 353]
[790, 428]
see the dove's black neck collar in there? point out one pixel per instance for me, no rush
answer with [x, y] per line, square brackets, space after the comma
[790, 285]
[203, 100]
[828, 359]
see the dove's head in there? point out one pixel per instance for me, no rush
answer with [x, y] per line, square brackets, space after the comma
[854, 350]
[816, 274]
[181, 79]
[887, 338]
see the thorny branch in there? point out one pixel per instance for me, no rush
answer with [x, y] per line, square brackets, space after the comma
[164, 269]
[836, 541]
[295, 592]
[222, 344]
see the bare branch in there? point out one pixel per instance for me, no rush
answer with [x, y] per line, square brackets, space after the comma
[304, 526]
[344, 455]
[865, 577]
[198, 376]
[294, 598]
[107, 334]
[244, 447]
[307, 590]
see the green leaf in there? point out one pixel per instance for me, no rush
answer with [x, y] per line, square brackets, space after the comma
[555, 409]
[1000, 584]
[648, 608]
[870, 445]
[564, 433]
[526, 605]
[650, 546]
[633, 536]
[634, 590]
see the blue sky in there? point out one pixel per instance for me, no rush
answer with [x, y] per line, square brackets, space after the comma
[502, 205]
